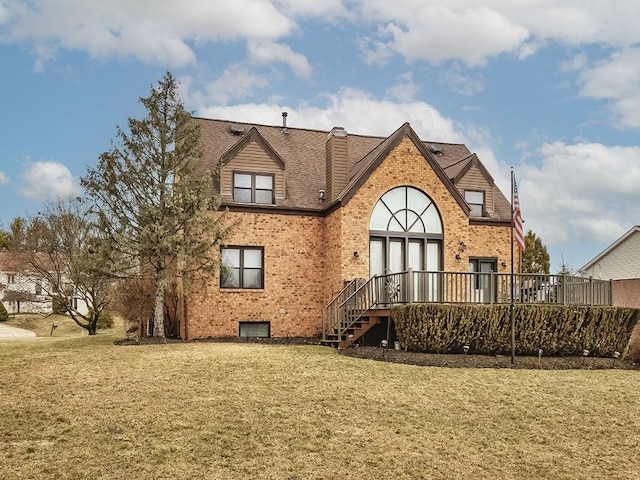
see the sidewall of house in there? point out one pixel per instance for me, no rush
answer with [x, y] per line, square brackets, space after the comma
[293, 293]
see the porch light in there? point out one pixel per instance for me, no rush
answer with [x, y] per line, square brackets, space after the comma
[321, 195]
[355, 254]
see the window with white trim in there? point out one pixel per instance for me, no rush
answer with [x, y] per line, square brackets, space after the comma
[242, 267]
[253, 188]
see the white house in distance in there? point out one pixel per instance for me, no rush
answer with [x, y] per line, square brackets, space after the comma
[620, 263]
[23, 293]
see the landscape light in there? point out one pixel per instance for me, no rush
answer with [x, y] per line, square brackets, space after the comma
[616, 354]
[539, 358]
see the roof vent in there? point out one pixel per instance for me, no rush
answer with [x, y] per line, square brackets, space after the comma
[237, 129]
[437, 149]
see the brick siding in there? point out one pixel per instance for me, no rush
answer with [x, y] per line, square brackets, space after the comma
[307, 258]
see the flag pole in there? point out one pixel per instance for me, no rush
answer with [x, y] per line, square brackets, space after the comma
[513, 286]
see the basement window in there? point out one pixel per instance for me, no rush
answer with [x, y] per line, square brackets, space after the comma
[255, 329]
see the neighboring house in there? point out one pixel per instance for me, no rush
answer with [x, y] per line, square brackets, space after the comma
[318, 209]
[620, 263]
[22, 293]
[18, 292]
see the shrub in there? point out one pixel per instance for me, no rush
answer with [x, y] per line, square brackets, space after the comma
[634, 345]
[557, 330]
[4, 316]
[105, 320]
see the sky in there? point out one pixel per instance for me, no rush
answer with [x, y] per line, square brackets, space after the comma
[550, 88]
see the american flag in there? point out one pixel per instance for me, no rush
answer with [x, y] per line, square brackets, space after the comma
[517, 216]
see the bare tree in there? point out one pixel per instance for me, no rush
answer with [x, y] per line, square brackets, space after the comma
[59, 250]
[156, 210]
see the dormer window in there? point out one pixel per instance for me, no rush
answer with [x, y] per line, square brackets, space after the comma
[475, 199]
[253, 188]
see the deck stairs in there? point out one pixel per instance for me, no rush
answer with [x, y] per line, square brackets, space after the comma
[351, 313]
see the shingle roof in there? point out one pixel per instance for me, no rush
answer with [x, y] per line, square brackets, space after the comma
[303, 152]
[9, 262]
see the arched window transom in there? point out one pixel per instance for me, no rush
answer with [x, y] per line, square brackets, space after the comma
[405, 209]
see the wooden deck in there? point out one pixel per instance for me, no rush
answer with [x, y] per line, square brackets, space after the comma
[362, 303]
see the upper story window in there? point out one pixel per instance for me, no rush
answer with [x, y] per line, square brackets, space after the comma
[253, 188]
[475, 199]
[242, 267]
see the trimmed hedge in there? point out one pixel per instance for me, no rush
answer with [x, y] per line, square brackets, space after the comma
[556, 329]
[4, 315]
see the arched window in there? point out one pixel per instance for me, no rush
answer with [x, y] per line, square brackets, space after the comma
[406, 209]
[405, 232]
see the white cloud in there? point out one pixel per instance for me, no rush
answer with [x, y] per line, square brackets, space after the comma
[149, 30]
[616, 79]
[434, 30]
[584, 192]
[236, 82]
[330, 10]
[405, 89]
[576, 63]
[461, 83]
[48, 181]
[353, 109]
[3, 178]
[436, 33]
[266, 52]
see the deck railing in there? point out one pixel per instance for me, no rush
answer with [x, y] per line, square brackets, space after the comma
[416, 286]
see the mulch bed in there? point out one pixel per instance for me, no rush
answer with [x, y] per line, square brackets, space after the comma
[487, 361]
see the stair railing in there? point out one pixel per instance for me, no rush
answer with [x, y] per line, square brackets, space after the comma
[356, 306]
[332, 314]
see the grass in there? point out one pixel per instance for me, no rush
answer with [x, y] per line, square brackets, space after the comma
[83, 408]
[65, 327]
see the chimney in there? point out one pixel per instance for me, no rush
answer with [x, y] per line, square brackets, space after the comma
[284, 120]
[337, 164]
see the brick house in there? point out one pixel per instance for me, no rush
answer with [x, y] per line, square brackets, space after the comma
[318, 209]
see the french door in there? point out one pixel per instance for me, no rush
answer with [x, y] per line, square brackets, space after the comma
[483, 284]
[390, 254]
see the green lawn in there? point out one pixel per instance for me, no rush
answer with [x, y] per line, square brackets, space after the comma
[81, 407]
